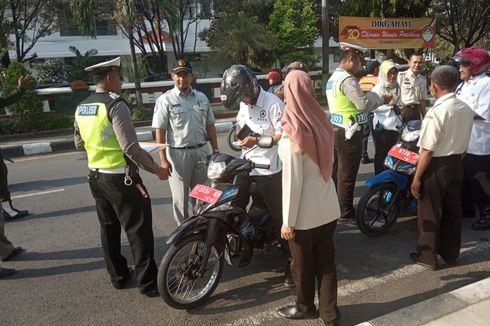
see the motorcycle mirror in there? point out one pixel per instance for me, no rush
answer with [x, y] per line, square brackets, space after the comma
[265, 142]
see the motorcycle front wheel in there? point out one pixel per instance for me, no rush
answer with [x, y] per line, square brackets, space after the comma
[232, 138]
[178, 283]
[377, 210]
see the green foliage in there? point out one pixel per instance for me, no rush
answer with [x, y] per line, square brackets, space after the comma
[35, 122]
[142, 114]
[294, 25]
[31, 101]
[76, 66]
[128, 72]
[51, 72]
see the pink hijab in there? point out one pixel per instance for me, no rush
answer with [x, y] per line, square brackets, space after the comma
[306, 123]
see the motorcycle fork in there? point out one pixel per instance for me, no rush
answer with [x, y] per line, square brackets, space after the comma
[214, 230]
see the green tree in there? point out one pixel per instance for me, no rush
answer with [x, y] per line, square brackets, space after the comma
[50, 72]
[463, 23]
[294, 25]
[75, 67]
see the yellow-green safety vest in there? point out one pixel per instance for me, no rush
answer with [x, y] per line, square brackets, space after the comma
[342, 111]
[103, 149]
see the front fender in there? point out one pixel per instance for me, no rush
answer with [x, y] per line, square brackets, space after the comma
[189, 226]
[400, 180]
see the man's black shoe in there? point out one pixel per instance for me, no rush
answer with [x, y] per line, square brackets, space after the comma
[415, 258]
[13, 253]
[366, 160]
[122, 283]
[291, 312]
[482, 224]
[151, 292]
[6, 272]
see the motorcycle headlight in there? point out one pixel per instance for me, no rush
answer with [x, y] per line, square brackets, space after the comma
[215, 169]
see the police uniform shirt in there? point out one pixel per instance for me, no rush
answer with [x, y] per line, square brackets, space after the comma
[476, 93]
[446, 127]
[185, 118]
[413, 87]
[363, 101]
[264, 118]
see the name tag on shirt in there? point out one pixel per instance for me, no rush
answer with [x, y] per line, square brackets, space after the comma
[88, 110]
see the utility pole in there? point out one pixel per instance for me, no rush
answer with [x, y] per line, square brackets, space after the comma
[325, 41]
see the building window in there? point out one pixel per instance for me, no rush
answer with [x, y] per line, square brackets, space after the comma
[68, 27]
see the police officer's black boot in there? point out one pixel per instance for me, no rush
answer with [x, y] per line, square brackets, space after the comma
[10, 212]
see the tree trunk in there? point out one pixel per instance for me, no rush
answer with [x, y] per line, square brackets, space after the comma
[325, 42]
[134, 64]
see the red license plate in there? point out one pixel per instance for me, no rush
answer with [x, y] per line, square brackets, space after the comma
[404, 154]
[206, 194]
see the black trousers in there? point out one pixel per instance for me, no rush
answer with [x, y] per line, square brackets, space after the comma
[439, 210]
[268, 194]
[385, 139]
[4, 190]
[476, 184]
[313, 258]
[368, 129]
[347, 157]
[127, 207]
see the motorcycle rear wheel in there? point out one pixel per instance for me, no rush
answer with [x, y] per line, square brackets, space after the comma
[232, 138]
[377, 210]
[178, 284]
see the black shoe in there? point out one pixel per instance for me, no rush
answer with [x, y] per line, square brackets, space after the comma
[482, 224]
[415, 258]
[291, 312]
[289, 282]
[151, 292]
[366, 160]
[122, 283]
[13, 253]
[18, 213]
[6, 272]
[450, 262]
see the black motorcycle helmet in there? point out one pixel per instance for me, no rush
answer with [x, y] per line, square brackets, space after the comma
[238, 81]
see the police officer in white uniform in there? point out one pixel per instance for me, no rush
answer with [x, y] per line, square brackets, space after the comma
[413, 88]
[475, 91]
[183, 118]
[103, 126]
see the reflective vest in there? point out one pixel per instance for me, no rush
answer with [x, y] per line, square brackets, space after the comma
[342, 111]
[92, 117]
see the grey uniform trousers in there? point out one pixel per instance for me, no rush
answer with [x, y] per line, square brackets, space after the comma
[186, 173]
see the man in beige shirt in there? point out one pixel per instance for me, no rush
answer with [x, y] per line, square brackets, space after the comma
[444, 137]
[413, 88]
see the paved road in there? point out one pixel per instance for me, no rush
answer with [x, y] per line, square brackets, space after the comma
[62, 278]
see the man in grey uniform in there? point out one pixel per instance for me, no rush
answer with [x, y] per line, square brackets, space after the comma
[413, 88]
[183, 118]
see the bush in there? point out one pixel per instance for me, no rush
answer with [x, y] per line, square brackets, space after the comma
[51, 72]
[35, 122]
[31, 102]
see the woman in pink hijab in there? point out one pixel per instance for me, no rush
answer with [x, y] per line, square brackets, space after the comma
[309, 199]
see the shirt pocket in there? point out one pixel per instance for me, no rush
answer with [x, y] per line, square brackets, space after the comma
[200, 113]
[179, 116]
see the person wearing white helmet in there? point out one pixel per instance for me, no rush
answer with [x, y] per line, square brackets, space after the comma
[475, 91]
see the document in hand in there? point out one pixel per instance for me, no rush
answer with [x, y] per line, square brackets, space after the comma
[152, 148]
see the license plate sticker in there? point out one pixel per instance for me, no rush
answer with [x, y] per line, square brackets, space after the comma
[404, 154]
[206, 194]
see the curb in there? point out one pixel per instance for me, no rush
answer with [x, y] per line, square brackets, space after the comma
[437, 307]
[68, 145]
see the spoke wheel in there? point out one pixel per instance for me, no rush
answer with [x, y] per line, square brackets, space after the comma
[232, 138]
[179, 282]
[377, 210]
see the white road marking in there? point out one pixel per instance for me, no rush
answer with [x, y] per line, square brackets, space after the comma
[38, 193]
[361, 285]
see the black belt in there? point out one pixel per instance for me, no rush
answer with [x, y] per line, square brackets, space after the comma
[190, 147]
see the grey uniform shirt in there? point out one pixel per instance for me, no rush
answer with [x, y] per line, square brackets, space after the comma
[363, 101]
[122, 124]
[413, 87]
[185, 118]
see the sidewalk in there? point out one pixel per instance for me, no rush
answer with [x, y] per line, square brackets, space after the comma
[469, 305]
[62, 140]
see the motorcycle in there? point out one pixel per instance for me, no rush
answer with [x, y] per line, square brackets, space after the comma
[219, 232]
[388, 194]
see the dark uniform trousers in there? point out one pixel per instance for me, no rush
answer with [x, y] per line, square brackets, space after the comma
[385, 139]
[128, 207]
[4, 191]
[439, 210]
[476, 184]
[347, 157]
[268, 194]
[313, 258]
[368, 129]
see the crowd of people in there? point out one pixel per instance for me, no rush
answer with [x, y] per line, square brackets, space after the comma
[313, 164]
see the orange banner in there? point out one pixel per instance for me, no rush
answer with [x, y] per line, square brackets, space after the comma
[388, 33]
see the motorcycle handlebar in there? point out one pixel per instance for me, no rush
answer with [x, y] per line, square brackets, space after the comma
[261, 166]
